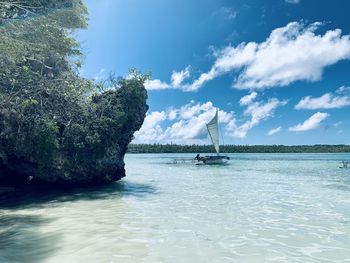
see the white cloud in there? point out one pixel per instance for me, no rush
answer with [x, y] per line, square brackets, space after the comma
[343, 90]
[203, 78]
[151, 130]
[156, 84]
[293, 1]
[326, 101]
[274, 131]
[257, 112]
[228, 59]
[177, 78]
[248, 98]
[188, 124]
[172, 114]
[191, 124]
[291, 53]
[311, 123]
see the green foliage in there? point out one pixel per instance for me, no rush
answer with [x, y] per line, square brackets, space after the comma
[13, 10]
[49, 115]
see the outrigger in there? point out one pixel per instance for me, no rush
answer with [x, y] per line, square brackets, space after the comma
[346, 164]
[219, 159]
[213, 130]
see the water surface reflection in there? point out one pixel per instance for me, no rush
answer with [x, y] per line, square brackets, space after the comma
[35, 225]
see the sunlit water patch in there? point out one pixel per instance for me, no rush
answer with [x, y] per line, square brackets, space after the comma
[260, 208]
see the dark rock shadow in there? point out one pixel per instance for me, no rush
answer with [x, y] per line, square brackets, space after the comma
[21, 235]
[21, 198]
[21, 240]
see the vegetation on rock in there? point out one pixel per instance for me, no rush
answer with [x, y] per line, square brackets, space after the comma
[56, 126]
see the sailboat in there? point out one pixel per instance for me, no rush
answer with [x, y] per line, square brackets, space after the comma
[213, 130]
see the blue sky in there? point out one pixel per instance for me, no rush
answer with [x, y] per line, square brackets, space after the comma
[278, 70]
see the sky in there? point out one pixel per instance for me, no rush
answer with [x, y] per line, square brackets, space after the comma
[277, 70]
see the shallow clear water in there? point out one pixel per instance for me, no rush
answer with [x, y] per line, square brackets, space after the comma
[260, 208]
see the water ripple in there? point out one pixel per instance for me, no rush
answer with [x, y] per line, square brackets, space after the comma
[261, 208]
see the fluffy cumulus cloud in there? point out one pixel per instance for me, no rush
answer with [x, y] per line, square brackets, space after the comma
[326, 101]
[151, 130]
[177, 79]
[186, 124]
[191, 119]
[291, 53]
[255, 112]
[156, 84]
[311, 123]
[274, 131]
[248, 98]
[228, 59]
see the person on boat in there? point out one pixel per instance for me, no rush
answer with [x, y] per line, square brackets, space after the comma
[197, 157]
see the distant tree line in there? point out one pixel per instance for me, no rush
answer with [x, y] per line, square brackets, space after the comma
[176, 148]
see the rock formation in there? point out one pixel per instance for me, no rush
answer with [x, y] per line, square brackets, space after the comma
[57, 127]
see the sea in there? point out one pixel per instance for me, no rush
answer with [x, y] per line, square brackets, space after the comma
[257, 208]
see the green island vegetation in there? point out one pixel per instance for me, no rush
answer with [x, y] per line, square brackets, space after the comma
[56, 126]
[176, 148]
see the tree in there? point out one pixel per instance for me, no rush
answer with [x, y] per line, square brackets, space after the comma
[53, 122]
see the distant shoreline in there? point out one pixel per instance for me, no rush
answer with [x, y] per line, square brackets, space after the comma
[175, 148]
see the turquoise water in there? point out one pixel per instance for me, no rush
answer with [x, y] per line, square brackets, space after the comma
[260, 208]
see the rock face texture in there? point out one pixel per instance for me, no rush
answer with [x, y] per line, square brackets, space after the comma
[57, 127]
[86, 150]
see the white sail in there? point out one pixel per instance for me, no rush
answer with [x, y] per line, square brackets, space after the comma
[213, 129]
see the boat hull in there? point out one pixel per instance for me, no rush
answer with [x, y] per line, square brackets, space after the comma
[213, 160]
